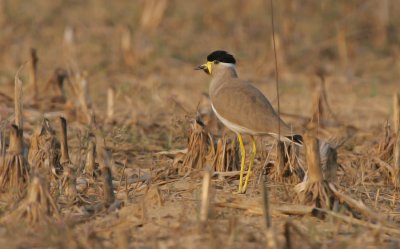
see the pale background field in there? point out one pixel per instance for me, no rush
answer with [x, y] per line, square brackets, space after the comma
[356, 44]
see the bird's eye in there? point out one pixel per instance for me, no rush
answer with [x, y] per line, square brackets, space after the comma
[216, 62]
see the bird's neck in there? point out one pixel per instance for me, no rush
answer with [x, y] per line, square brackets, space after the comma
[224, 70]
[222, 75]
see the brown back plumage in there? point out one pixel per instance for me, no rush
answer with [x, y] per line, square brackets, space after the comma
[243, 104]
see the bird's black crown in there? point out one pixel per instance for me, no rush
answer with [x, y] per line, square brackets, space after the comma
[221, 56]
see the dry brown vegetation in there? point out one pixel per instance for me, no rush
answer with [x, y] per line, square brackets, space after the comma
[107, 138]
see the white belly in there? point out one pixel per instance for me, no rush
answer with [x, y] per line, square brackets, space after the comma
[243, 130]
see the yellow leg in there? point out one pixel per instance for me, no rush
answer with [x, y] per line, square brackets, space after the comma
[253, 155]
[243, 156]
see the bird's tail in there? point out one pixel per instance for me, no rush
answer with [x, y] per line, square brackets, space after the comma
[297, 139]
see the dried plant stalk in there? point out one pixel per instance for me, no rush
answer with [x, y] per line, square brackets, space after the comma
[280, 159]
[314, 190]
[64, 141]
[321, 108]
[68, 180]
[271, 239]
[152, 14]
[33, 72]
[380, 12]
[108, 189]
[14, 173]
[44, 152]
[110, 102]
[56, 85]
[126, 46]
[385, 147]
[396, 112]
[396, 148]
[205, 196]
[266, 206]
[90, 165]
[330, 165]
[396, 161]
[2, 147]
[38, 207]
[318, 108]
[80, 89]
[342, 45]
[18, 100]
[313, 159]
[287, 234]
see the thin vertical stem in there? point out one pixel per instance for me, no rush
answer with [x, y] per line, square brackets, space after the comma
[64, 141]
[276, 67]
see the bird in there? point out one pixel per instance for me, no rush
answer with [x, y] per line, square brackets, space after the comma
[242, 108]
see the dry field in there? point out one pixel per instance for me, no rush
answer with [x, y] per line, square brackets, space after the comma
[100, 147]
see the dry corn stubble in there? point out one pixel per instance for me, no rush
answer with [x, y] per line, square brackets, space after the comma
[314, 190]
[198, 148]
[14, 173]
[68, 180]
[44, 150]
[37, 208]
[202, 150]
[106, 175]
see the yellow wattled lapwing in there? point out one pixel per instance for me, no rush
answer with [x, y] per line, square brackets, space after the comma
[242, 108]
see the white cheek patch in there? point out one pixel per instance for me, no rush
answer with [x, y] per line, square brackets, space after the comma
[227, 65]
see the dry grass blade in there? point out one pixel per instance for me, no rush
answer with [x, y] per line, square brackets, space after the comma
[258, 209]
[18, 99]
[106, 176]
[353, 221]
[356, 205]
[14, 173]
[37, 208]
[396, 149]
